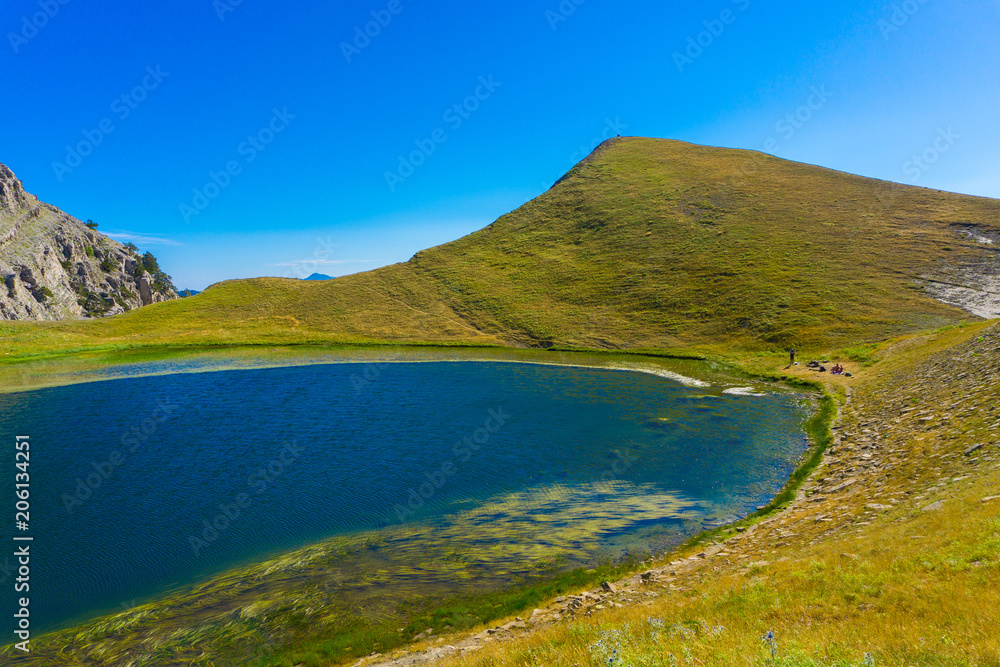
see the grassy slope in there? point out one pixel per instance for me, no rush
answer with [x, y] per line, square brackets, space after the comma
[646, 244]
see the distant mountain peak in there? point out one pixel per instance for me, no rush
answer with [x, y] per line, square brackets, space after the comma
[319, 276]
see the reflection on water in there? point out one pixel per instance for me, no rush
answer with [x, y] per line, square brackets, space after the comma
[373, 479]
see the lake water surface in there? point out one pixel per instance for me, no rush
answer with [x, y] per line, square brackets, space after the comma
[144, 484]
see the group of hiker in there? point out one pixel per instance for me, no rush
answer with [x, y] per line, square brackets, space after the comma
[838, 368]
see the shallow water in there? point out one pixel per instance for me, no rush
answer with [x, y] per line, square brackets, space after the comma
[147, 483]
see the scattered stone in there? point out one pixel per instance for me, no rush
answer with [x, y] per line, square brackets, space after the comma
[974, 448]
[843, 485]
[877, 507]
[934, 507]
[989, 499]
[608, 587]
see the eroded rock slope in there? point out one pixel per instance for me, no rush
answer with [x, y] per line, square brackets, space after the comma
[54, 267]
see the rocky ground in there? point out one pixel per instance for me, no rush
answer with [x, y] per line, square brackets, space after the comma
[973, 283]
[53, 267]
[907, 440]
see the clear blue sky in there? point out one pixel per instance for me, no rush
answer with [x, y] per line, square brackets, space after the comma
[893, 79]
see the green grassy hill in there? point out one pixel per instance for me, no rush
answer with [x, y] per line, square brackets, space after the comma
[645, 244]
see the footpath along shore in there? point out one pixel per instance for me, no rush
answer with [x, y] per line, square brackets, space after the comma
[913, 436]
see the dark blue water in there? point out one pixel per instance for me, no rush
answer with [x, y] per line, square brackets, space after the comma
[146, 483]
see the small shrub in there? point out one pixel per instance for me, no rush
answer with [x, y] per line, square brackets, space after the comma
[107, 265]
[90, 251]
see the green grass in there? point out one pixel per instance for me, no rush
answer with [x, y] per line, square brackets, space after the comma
[357, 637]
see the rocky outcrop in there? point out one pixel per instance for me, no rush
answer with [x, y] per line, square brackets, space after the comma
[972, 282]
[53, 267]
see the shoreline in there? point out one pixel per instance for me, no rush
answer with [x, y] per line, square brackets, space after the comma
[63, 369]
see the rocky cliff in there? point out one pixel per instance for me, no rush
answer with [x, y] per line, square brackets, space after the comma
[54, 267]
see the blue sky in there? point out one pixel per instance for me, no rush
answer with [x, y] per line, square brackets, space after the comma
[243, 138]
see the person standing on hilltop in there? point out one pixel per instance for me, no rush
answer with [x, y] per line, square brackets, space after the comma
[791, 356]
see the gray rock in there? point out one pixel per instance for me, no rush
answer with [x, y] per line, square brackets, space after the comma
[47, 271]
